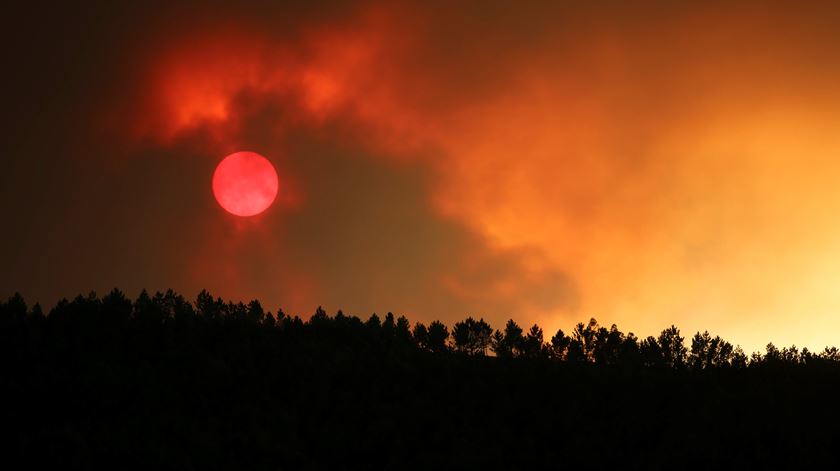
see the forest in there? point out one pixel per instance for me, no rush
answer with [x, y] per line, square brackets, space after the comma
[162, 381]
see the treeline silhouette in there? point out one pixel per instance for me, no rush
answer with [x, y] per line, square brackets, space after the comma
[162, 381]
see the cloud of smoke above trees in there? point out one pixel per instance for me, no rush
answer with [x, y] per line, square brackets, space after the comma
[647, 163]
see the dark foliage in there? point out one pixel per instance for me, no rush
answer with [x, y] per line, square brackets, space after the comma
[161, 382]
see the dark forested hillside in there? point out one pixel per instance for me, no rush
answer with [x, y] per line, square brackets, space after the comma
[164, 382]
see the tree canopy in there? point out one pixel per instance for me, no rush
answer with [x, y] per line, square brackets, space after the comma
[160, 380]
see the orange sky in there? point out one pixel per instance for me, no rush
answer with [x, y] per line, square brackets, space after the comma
[644, 164]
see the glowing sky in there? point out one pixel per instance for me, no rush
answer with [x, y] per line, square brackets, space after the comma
[645, 163]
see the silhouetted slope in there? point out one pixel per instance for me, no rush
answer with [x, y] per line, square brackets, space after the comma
[161, 382]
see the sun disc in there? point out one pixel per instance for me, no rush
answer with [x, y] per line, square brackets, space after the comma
[245, 183]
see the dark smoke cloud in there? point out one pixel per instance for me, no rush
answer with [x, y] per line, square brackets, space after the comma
[94, 206]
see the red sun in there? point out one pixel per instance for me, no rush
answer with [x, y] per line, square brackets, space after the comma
[245, 183]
